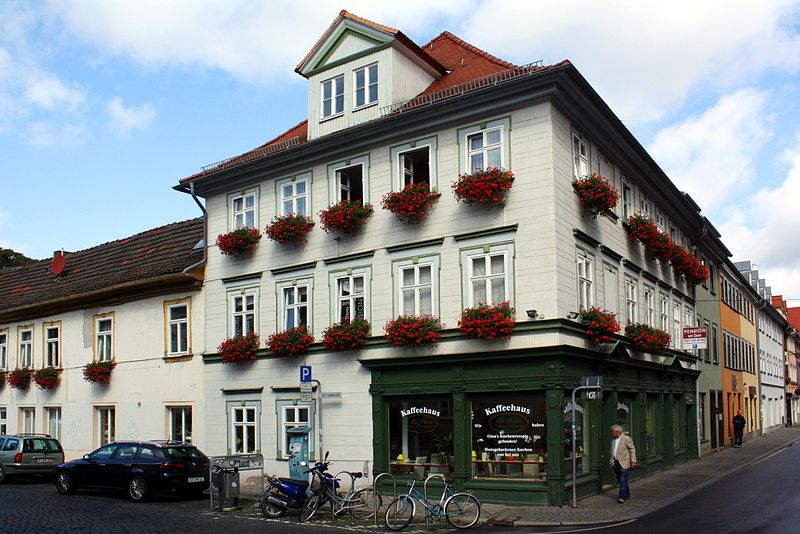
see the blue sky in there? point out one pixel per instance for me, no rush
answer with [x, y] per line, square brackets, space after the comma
[104, 106]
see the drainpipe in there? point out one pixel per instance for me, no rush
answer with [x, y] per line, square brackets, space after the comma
[192, 267]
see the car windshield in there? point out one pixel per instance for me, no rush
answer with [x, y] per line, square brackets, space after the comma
[41, 445]
[183, 453]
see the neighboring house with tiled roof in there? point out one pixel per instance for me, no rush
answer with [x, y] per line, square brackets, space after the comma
[136, 303]
[385, 114]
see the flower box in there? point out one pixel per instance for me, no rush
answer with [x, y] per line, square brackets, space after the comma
[595, 194]
[47, 378]
[346, 335]
[600, 324]
[238, 241]
[410, 205]
[239, 348]
[98, 372]
[646, 338]
[489, 186]
[488, 322]
[345, 217]
[694, 272]
[290, 228]
[642, 228]
[292, 342]
[20, 378]
[413, 331]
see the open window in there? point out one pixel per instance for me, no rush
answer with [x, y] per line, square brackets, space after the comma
[350, 181]
[416, 166]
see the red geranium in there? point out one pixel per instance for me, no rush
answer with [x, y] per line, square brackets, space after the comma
[20, 378]
[487, 186]
[646, 338]
[345, 217]
[411, 204]
[488, 322]
[47, 378]
[239, 348]
[346, 335]
[596, 194]
[98, 372]
[289, 228]
[292, 342]
[238, 241]
[642, 228]
[600, 324]
[694, 271]
[413, 331]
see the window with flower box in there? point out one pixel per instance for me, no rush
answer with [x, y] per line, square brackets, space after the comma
[488, 276]
[414, 163]
[627, 200]
[631, 300]
[294, 195]
[349, 180]
[178, 327]
[351, 295]
[650, 305]
[243, 209]
[333, 97]
[677, 332]
[104, 337]
[485, 146]
[243, 306]
[416, 289]
[365, 84]
[244, 435]
[663, 312]
[580, 156]
[295, 304]
[3, 349]
[585, 274]
[25, 354]
[105, 424]
[52, 344]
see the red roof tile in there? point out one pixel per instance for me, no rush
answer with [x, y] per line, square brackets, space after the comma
[159, 252]
[794, 316]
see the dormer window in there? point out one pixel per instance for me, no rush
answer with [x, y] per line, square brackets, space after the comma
[366, 86]
[333, 96]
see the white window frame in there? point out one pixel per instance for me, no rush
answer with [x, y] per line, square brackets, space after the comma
[677, 332]
[337, 299]
[333, 98]
[181, 325]
[184, 413]
[398, 170]
[48, 421]
[282, 406]
[3, 420]
[584, 272]
[105, 424]
[282, 199]
[234, 213]
[400, 268]
[294, 286]
[650, 305]
[335, 190]
[504, 126]
[24, 411]
[3, 349]
[242, 293]
[627, 199]
[580, 156]
[663, 312]
[368, 83]
[248, 426]
[631, 299]
[104, 339]
[25, 354]
[52, 345]
[487, 251]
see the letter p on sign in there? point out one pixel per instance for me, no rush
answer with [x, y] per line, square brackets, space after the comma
[305, 374]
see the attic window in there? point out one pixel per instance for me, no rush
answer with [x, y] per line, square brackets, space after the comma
[350, 183]
[366, 86]
[333, 97]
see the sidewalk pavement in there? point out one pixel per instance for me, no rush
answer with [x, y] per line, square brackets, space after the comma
[648, 494]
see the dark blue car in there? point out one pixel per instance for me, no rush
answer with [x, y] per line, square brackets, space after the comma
[140, 468]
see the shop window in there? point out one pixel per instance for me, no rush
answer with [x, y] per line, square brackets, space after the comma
[650, 425]
[625, 415]
[581, 443]
[421, 436]
[509, 436]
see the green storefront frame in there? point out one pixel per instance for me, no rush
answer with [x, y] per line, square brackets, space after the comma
[650, 390]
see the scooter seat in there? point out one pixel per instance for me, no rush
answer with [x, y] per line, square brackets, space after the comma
[301, 483]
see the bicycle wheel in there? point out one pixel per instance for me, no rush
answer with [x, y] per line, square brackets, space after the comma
[399, 513]
[364, 503]
[462, 510]
[309, 508]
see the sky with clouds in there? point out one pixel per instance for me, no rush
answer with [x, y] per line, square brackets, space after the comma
[104, 106]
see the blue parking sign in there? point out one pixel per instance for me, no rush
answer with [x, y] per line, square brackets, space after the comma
[305, 374]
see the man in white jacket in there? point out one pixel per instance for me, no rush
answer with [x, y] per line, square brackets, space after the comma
[623, 458]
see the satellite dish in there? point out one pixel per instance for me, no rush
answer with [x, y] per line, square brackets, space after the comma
[58, 263]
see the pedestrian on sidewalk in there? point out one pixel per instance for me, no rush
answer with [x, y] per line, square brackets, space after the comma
[623, 459]
[739, 423]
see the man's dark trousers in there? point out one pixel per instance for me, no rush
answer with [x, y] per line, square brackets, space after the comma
[622, 477]
[737, 436]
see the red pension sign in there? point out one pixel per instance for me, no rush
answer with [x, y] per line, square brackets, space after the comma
[695, 338]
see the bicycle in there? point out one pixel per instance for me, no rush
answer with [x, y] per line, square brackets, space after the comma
[462, 510]
[361, 504]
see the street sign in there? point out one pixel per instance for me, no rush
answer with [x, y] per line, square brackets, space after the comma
[695, 338]
[305, 374]
[592, 394]
[593, 381]
[306, 392]
[332, 395]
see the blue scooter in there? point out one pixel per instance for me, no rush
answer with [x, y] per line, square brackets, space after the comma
[284, 494]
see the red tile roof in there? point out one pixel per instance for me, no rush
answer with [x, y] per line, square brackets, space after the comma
[153, 254]
[794, 316]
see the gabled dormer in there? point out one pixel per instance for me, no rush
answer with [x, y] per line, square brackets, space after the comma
[357, 69]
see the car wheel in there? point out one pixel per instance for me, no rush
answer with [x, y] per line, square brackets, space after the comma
[2, 474]
[64, 483]
[138, 490]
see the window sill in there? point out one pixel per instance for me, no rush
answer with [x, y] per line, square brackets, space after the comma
[331, 117]
[178, 358]
[365, 106]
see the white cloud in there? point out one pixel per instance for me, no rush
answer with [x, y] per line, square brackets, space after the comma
[46, 135]
[125, 119]
[712, 156]
[49, 92]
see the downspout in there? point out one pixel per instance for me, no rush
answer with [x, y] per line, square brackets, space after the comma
[192, 267]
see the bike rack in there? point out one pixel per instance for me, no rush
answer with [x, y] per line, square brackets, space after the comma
[334, 511]
[375, 489]
[425, 493]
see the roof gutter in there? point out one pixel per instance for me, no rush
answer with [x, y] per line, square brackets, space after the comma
[192, 267]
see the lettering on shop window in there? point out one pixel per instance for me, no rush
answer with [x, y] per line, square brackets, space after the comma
[568, 408]
[507, 408]
[622, 406]
[415, 410]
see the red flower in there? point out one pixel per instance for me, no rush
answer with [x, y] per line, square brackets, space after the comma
[413, 331]
[47, 378]
[488, 186]
[411, 204]
[346, 335]
[646, 338]
[98, 372]
[596, 194]
[657, 244]
[20, 378]
[601, 324]
[238, 241]
[488, 322]
[239, 348]
[289, 228]
[345, 217]
[292, 342]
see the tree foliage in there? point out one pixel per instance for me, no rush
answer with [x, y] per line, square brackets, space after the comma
[11, 258]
